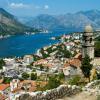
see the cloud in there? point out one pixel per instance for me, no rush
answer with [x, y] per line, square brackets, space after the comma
[18, 5]
[46, 7]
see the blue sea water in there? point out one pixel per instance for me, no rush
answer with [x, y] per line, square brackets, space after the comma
[20, 45]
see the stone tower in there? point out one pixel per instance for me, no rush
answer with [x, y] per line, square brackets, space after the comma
[88, 42]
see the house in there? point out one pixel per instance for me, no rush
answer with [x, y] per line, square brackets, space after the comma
[4, 90]
[3, 87]
[3, 97]
[14, 84]
[41, 61]
[28, 59]
[78, 56]
[72, 67]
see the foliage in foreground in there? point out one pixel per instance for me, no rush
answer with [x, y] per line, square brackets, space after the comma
[25, 75]
[7, 80]
[74, 80]
[86, 67]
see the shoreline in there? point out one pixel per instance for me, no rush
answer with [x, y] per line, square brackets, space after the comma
[6, 36]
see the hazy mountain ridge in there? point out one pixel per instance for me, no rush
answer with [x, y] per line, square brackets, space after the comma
[9, 24]
[68, 22]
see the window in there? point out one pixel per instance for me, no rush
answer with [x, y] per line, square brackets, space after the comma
[90, 40]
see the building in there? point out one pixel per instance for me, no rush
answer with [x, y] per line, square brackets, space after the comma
[28, 59]
[88, 42]
[72, 67]
[14, 84]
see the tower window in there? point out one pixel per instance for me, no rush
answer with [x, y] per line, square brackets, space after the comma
[90, 40]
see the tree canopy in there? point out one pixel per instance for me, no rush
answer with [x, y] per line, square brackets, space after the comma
[2, 63]
[97, 49]
[86, 66]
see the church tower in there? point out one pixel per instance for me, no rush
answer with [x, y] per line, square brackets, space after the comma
[88, 42]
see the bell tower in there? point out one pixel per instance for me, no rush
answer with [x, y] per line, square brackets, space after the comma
[88, 42]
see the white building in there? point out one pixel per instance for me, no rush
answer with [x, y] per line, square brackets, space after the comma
[14, 84]
[28, 59]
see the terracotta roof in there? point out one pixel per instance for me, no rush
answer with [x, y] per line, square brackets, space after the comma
[78, 56]
[41, 61]
[73, 62]
[47, 65]
[2, 97]
[16, 90]
[66, 64]
[32, 88]
[1, 80]
[4, 86]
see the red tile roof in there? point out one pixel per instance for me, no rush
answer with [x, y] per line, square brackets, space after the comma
[73, 62]
[2, 97]
[78, 56]
[4, 86]
[1, 80]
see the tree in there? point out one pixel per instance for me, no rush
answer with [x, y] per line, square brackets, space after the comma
[7, 80]
[25, 75]
[86, 67]
[41, 67]
[74, 80]
[61, 76]
[2, 63]
[97, 49]
[53, 82]
[33, 76]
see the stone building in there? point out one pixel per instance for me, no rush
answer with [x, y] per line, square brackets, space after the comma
[88, 47]
[88, 42]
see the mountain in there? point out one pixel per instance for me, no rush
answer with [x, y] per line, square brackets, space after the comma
[9, 24]
[67, 22]
[24, 19]
[46, 22]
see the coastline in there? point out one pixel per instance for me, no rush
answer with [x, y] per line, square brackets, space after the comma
[6, 36]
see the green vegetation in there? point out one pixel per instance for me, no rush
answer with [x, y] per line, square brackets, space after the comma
[11, 25]
[61, 76]
[63, 52]
[86, 67]
[59, 50]
[58, 37]
[25, 75]
[29, 66]
[35, 57]
[98, 97]
[44, 55]
[2, 63]
[97, 49]
[75, 80]
[7, 80]
[33, 76]
[53, 82]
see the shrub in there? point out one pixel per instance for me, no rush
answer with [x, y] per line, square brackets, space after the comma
[74, 80]
[33, 76]
[7, 80]
[25, 75]
[53, 83]
[98, 97]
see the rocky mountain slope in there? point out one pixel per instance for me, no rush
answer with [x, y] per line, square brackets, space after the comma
[67, 22]
[9, 24]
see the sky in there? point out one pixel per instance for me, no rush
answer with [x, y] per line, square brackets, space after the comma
[54, 7]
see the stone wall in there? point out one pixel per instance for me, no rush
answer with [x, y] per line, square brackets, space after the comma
[93, 87]
[61, 91]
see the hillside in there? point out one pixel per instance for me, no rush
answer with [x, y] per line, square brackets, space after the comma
[9, 24]
[67, 22]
